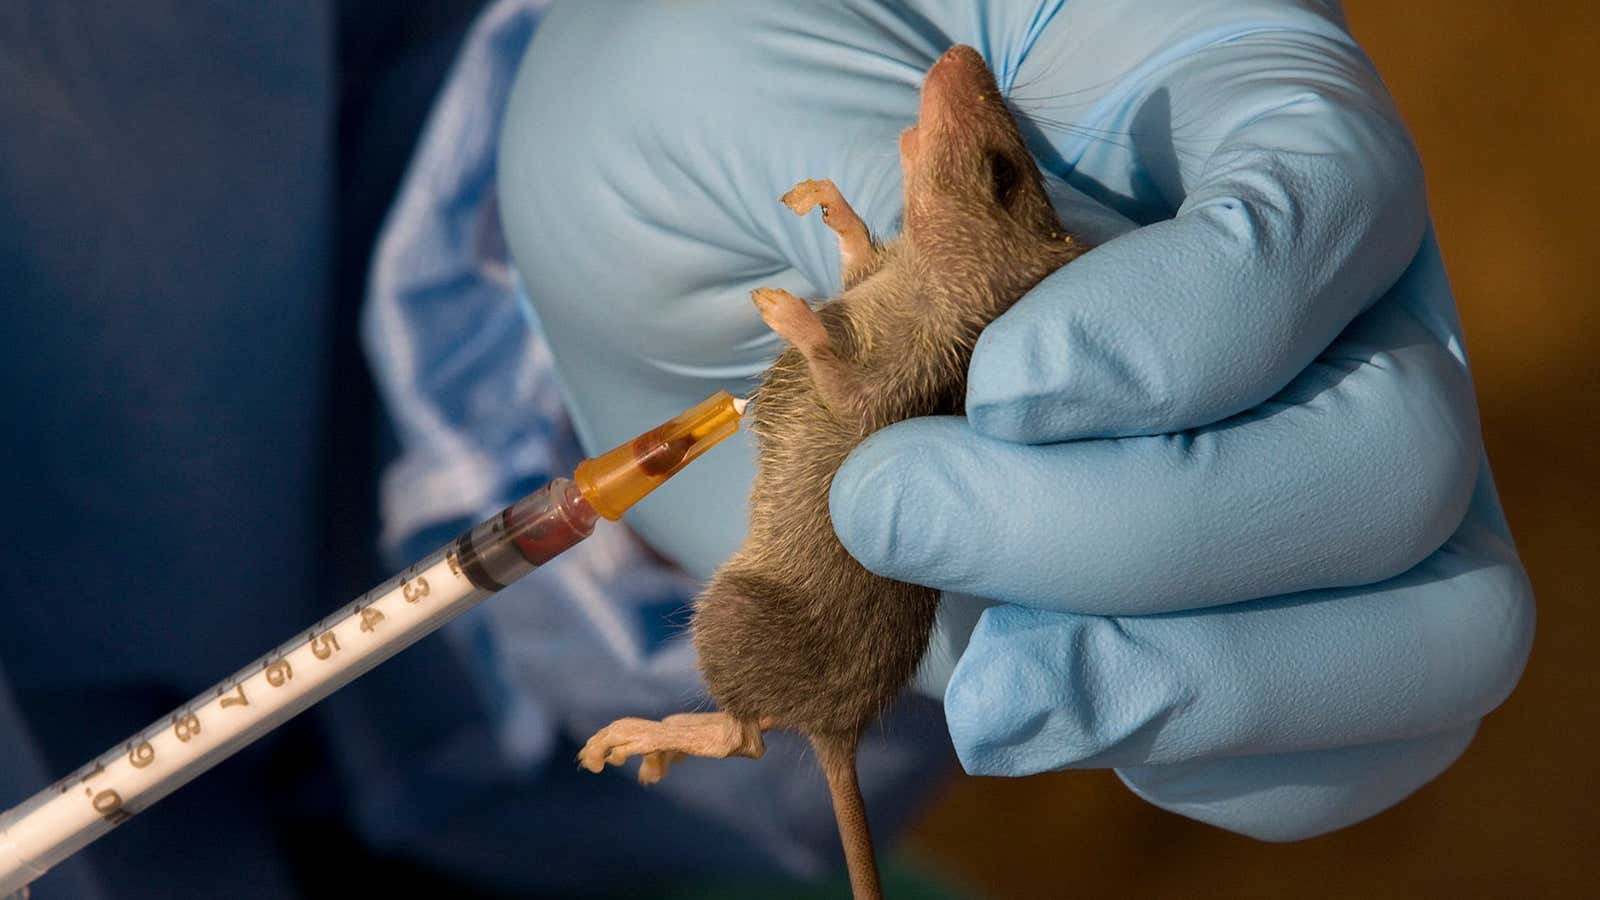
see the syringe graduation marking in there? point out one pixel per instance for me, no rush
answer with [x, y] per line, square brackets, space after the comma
[243, 702]
[129, 777]
[133, 774]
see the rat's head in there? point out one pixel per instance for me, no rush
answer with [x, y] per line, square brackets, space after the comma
[969, 178]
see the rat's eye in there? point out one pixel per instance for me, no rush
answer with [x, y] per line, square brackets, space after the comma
[1005, 175]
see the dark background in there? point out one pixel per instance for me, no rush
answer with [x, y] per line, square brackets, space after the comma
[1501, 100]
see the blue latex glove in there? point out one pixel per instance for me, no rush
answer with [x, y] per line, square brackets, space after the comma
[1224, 471]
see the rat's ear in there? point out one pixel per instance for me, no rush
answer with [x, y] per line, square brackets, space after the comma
[1005, 175]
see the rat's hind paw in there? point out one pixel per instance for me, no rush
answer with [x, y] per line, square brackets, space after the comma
[716, 735]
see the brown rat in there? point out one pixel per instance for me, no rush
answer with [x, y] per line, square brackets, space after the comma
[793, 632]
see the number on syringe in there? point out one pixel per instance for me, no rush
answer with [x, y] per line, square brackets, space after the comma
[185, 726]
[108, 804]
[278, 672]
[370, 618]
[414, 590]
[227, 701]
[140, 754]
[324, 645]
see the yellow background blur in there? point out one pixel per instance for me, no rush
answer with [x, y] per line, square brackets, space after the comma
[1501, 100]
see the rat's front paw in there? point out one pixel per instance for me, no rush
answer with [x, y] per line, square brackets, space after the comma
[793, 320]
[808, 194]
[858, 255]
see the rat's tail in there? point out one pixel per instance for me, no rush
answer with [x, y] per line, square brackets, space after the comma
[838, 759]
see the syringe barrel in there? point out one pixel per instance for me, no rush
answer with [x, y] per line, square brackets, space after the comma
[525, 535]
[130, 776]
[134, 774]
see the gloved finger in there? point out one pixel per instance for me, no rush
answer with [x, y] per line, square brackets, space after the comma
[1357, 472]
[1432, 650]
[1304, 204]
[1294, 796]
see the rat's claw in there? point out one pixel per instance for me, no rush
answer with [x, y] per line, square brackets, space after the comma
[593, 755]
[588, 759]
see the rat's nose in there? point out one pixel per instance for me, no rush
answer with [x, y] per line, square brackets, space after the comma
[962, 53]
[961, 72]
[958, 79]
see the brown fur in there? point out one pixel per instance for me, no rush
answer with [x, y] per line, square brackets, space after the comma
[792, 630]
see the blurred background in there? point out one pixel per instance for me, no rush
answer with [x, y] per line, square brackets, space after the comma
[176, 226]
[1501, 100]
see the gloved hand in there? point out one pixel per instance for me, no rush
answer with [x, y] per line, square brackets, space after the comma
[1223, 473]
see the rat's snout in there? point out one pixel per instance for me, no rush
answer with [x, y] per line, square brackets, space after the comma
[958, 80]
[959, 64]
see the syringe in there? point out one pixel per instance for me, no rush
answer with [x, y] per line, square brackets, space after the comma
[128, 778]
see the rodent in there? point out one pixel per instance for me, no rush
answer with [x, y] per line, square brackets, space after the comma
[792, 632]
